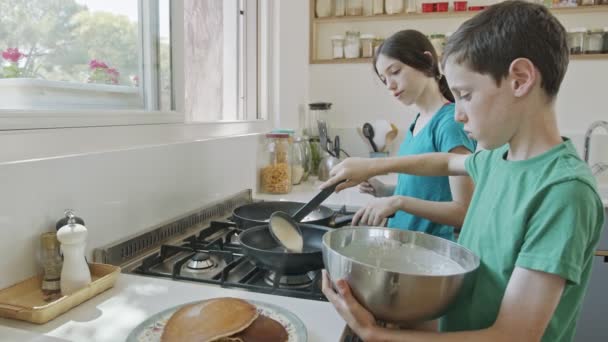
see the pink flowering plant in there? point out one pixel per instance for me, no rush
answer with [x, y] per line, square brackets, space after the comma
[11, 68]
[102, 73]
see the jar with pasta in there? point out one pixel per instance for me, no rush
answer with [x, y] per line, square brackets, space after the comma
[275, 175]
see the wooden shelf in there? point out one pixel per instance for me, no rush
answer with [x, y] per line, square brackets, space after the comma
[451, 14]
[597, 56]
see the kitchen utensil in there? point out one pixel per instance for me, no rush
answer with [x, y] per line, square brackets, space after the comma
[286, 232]
[323, 135]
[391, 295]
[152, 328]
[368, 132]
[257, 214]
[325, 167]
[381, 128]
[337, 147]
[266, 252]
[390, 137]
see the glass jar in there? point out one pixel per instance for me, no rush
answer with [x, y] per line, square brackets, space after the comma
[438, 41]
[275, 176]
[299, 162]
[51, 263]
[316, 111]
[368, 7]
[594, 41]
[316, 154]
[337, 47]
[354, 7]
[323, 8]
[411, 6]
[588, 2]
[377, 43]
[393, 6]
[352, 44]
[576, 40]
[340, 8]
[367, 45]
[379, 7]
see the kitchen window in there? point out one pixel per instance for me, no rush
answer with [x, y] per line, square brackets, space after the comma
[81, 63]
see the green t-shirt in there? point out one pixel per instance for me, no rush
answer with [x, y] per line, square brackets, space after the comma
[543, 214]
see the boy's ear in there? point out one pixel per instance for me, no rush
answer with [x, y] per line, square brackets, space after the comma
[523, 76]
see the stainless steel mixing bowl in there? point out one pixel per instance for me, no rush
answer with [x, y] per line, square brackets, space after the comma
[389, 295]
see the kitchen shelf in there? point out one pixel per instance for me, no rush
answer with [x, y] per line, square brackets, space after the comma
[319, 27]
[597, 56]
[450, 14]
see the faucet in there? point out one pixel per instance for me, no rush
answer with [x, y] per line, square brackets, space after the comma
[599, 167]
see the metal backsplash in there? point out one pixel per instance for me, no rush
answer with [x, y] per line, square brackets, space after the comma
[130, 249]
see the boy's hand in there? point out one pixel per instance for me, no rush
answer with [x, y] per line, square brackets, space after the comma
[376, 211]
[361, 321]
[354, 170]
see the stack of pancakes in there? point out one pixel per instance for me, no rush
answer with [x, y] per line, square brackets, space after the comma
[222, 319]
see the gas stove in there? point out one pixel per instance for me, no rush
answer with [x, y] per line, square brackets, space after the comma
[203, 246]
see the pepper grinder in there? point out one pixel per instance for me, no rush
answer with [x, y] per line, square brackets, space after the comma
[75, 273]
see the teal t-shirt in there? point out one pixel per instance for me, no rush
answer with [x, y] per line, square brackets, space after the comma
[441, 134]
[542, 214]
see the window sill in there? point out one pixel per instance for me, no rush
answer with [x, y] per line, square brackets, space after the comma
[41, 144]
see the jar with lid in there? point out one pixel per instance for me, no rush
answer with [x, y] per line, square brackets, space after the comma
[377, 42]
[275, 176]
[352, 45]
[378, 7]
[316, 111]
[438, 42]
[354, 7]
[323, 8]
[588, 2]
[367, 45]
[411, 6]
[594, 41]
[393, 6]
[340, 8]
[51, 263]
[299, 163]
[337, 47]
[576, 40]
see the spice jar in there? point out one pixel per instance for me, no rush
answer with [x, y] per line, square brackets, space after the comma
[576, 40]
[411, 6]
[323, 8]
[354, 7]
[276, 174]
[367, 45]
[51, 263]
[340, 8]
[299, 162]
[393, 6]
[368, 7]
[377, 43]
[438, 42]
[352, 45]
[379, 7]
[337, 47]
[594, 41]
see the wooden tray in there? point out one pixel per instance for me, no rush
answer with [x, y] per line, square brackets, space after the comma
[24, 301]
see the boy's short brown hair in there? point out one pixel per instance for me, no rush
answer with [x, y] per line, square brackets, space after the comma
[491, 40]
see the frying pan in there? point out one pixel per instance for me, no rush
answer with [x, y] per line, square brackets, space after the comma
[265, 251]
[257, 214]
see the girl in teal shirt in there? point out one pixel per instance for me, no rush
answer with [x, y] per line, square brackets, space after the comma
[408, 65]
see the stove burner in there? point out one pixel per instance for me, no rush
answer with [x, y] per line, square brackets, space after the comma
[200, 261]
[297, 281]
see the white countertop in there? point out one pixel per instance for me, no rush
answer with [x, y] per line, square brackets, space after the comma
[305, 191]
[112, 315]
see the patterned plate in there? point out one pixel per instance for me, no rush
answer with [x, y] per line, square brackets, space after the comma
[151, 329]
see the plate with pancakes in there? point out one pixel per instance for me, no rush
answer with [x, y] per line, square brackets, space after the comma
[223, 319]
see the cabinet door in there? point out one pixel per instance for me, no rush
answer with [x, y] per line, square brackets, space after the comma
[592, 325]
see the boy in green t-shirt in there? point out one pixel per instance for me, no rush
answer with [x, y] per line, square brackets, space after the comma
[535, 216]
